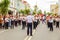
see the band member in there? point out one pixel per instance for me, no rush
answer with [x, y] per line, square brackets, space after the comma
[16, 20]
[23, 22]
[57, 22]
[35, 22]
[19, 19]
[43, 19]
[6, 22]
[12, 22]
[51, 24]
[1, 21]
[29, 24]
[54, 21]
[9, 21]
[47, 19]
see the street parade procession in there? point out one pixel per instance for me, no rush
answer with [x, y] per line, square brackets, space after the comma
[30, 21]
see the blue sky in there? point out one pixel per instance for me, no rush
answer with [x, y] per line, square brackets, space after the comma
[42, 4]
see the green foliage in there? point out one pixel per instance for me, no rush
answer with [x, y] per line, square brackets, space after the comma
[39, 11]
[45, 12]
[35, 9]
[25, 11]
[4, 6]
[21, 11]
[34, 12]
[49, 13]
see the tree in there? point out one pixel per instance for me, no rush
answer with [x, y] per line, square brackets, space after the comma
[39, 11]
[35, 9]
[25, 11]
[49, 13]
[4, 6]
[45, 12]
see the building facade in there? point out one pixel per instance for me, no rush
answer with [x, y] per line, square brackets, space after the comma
[54, 8]
[16, 5]
[59, 7]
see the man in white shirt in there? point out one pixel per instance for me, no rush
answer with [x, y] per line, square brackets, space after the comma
[29, 21]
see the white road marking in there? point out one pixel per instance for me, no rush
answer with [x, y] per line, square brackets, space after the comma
[30, 38]
[26, 38]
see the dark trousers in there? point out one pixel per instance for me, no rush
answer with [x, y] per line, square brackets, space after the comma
[51, 26]
[0, 25]
[34, 25]
[48, 24]
[29, 29]
[57, 24]
[16, 23]
[12, 24]
[23, 24]
[38, 21]
[54, 22]
[19, 21]
[6, 25]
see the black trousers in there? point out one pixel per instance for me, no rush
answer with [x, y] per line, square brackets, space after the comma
[38, 21]
[51, 26]
[16, 23]
[19, 21]
[29, 29]
[12, 24]
[57, 24]
[0, 25]
[34, 25]
[48, 24]
[54, 22]
[23, 24]
[6, 25]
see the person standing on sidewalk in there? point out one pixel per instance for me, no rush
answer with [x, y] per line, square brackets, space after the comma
[29, 21]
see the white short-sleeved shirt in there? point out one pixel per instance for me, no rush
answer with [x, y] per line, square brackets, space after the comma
[57, 19]
[29, 18]
[44, 17]
[6, 19]
[23, 18]
[51, 20]
[35, 19]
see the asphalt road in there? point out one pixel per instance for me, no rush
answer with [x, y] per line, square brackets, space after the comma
[41, 33]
